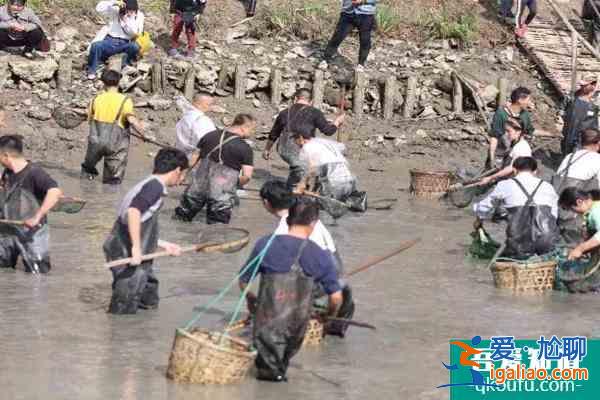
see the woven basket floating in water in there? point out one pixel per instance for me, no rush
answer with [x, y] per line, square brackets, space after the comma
[198, 356]
[429, 184]
[314, 333]
[523, 277]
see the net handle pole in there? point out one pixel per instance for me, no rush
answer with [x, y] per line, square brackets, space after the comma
[253, 263]
[158, 254]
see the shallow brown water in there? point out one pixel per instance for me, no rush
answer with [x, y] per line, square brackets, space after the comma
[58, 343]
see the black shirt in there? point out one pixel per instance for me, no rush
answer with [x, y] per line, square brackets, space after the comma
[148, 196]
[34, 179]
[234, 153]
[301, 118]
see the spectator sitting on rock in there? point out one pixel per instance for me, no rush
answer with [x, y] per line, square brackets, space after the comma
[125, 24]
[20, 27]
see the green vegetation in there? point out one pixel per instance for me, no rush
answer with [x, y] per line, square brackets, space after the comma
[442, 25]
[388, 19]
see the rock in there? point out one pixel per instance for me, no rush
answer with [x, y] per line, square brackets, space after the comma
[205, 76]
[453, 58]
[33, 70]
[24, 86]
[489, 93]
[218, 110]
[251, 84]
[288, 88]
[144, 67]
[44, 95]
[323, 65]
[508, 54]
[67, 118]
[235, 33]
[157, 103]
[259, 51]
[227, 120]
[60, 47]
[39, 114]
[250, 42]
[429, 111]
[303, 51]
[256, 103]
[420, 133]
[67, 33]
[290, 56]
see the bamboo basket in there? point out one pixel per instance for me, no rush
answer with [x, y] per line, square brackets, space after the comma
[198, 356]
[429, 184]
[314, 333]
[523, 277]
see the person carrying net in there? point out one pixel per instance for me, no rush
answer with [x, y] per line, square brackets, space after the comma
[288, 272]
[135, 233]
[28, 193]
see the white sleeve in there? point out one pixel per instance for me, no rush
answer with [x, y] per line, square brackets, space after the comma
[485, 208]
[107, 8]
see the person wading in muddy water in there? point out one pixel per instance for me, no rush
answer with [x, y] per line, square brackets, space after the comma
[25, 186]
[581, 170]
[135, 233]
[223, 155]
[301, 116]
[194, 124]
[505, 157]
[581, 114]
[324, 160]
[583, 203]
[277, 200]
[517, 108]
[288, 272]
[111, 116]
[532, 208]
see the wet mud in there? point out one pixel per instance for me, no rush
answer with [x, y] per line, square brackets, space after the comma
[57, 341]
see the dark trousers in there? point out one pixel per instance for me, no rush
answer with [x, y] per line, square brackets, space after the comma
[532, 6]
[251, 8]
[133, 288]
[217, 212]
[190, 32]
[365, 25]
[34, 39]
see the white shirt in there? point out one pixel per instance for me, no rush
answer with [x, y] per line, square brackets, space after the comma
[125, 28]
[521, 149]
[318, 152]
[192, 127]
[586, 165]
[508, 194]
[320, 234]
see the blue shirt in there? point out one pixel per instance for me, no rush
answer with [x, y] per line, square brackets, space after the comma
[315, 262]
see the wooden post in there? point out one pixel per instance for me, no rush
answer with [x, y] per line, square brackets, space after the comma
[389, 97]
[163, 76]
[190, 81]
[318, 89]
[156, 78]
[223, 77]
[359, 93]
[65, 66]
[457, 95]
[573, 64]
[409, 100]
[240, 82]
[275, 86]
[502, 91]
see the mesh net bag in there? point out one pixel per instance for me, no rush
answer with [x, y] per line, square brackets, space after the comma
[18, 205]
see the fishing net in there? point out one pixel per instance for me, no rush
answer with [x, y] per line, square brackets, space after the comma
[222, 239]
[578, 276]
[69, 205]
[482, 246]
[462, 196]
[18, 205]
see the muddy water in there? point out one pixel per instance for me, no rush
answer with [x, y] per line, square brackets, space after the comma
[57, 341]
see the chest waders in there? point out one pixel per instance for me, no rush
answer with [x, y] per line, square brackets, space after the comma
[282, 314]
[288, 150]
[213, 185]
[108, 141]
[33, 245]
[531, 229]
